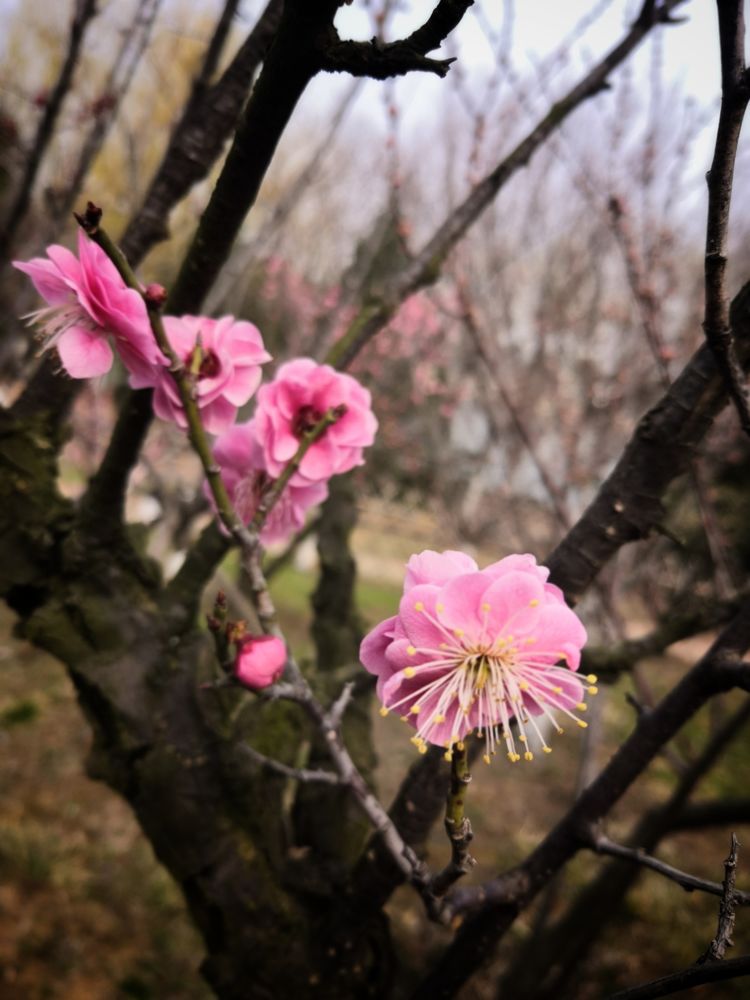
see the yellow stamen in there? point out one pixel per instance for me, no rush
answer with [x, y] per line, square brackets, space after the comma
[409, 671]
[460, 745]
[486, 607]
[423, 748]
[415, 709]
[582, 724]
[582, 706]
[411, 650]
[440, 607]
[486, 758]
[534, 603]
[447, 755]
[593, 689]
[439, 718]
[528, 755]
[419, 606]
[383, 711]
[592, 678]
[547, 749]
[458, 632]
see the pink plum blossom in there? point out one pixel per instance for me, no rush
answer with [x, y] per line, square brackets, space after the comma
[260, 661]
[472, 649]
[302, 392]
[224, 356]
[87, 300]
[240, 457]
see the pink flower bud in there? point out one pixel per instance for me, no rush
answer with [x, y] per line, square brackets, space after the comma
[260, 661]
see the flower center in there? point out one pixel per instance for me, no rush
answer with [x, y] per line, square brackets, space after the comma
[208, 366]
[480, 685]
[305, 420]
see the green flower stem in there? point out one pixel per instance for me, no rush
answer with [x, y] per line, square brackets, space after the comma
[457, 824]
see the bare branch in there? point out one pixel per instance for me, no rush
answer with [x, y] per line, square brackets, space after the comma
[729, 898]
[424, 269]
[603, 845]
[734, 98]
[302, 774]
[696, 975]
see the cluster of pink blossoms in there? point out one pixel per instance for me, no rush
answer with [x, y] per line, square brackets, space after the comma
[91, 313]
[470, 650]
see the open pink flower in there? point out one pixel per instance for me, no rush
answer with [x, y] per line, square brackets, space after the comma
[86, 301]
[240, 457]
[224, 355]
[260, 661]
[302, 392]
[472, 649]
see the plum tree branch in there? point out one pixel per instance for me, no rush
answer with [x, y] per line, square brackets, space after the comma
[603, 845]
[735, 88]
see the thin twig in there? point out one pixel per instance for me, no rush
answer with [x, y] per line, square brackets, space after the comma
[735, 92]
[302, 774]
[690, 883]
[729, 898]
[678, 982]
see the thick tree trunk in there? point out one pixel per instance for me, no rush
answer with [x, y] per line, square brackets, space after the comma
[84, 593]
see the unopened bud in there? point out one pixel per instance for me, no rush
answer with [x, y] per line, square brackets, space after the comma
[155, 295]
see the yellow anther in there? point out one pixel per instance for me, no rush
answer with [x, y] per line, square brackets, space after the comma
[383, 711]
[411, 650]
[582, 724]
[522, 738]
[557, 690]
[511, 757]
[528, 755]
[447, 755]
[443, 645]
[534, 603]
[560, 730]
[417, 741]
[486, 607]
[486, 758]
[423, 748]
[524, 685]
[458, 632]
[562, 656]
[440, 607]
[460, 745]
[404, 718]
[592, 678]
[409, 671]
[582, 706]
[415, 709]
[547, 749]
[419, 606]
[439, 717]
[593, 689]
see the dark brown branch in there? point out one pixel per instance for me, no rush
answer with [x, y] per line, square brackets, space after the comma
[734, 97]
[628, 505]
[424, 269]
[678, 982]
[723, 812]
[380, 61]
[84, 11]
[205, 125]
[691, 883]
[607, 662]
[729, 898]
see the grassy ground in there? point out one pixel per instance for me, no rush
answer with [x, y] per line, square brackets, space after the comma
[87, 914]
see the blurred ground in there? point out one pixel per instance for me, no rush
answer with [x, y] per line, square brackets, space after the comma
[86, 913]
